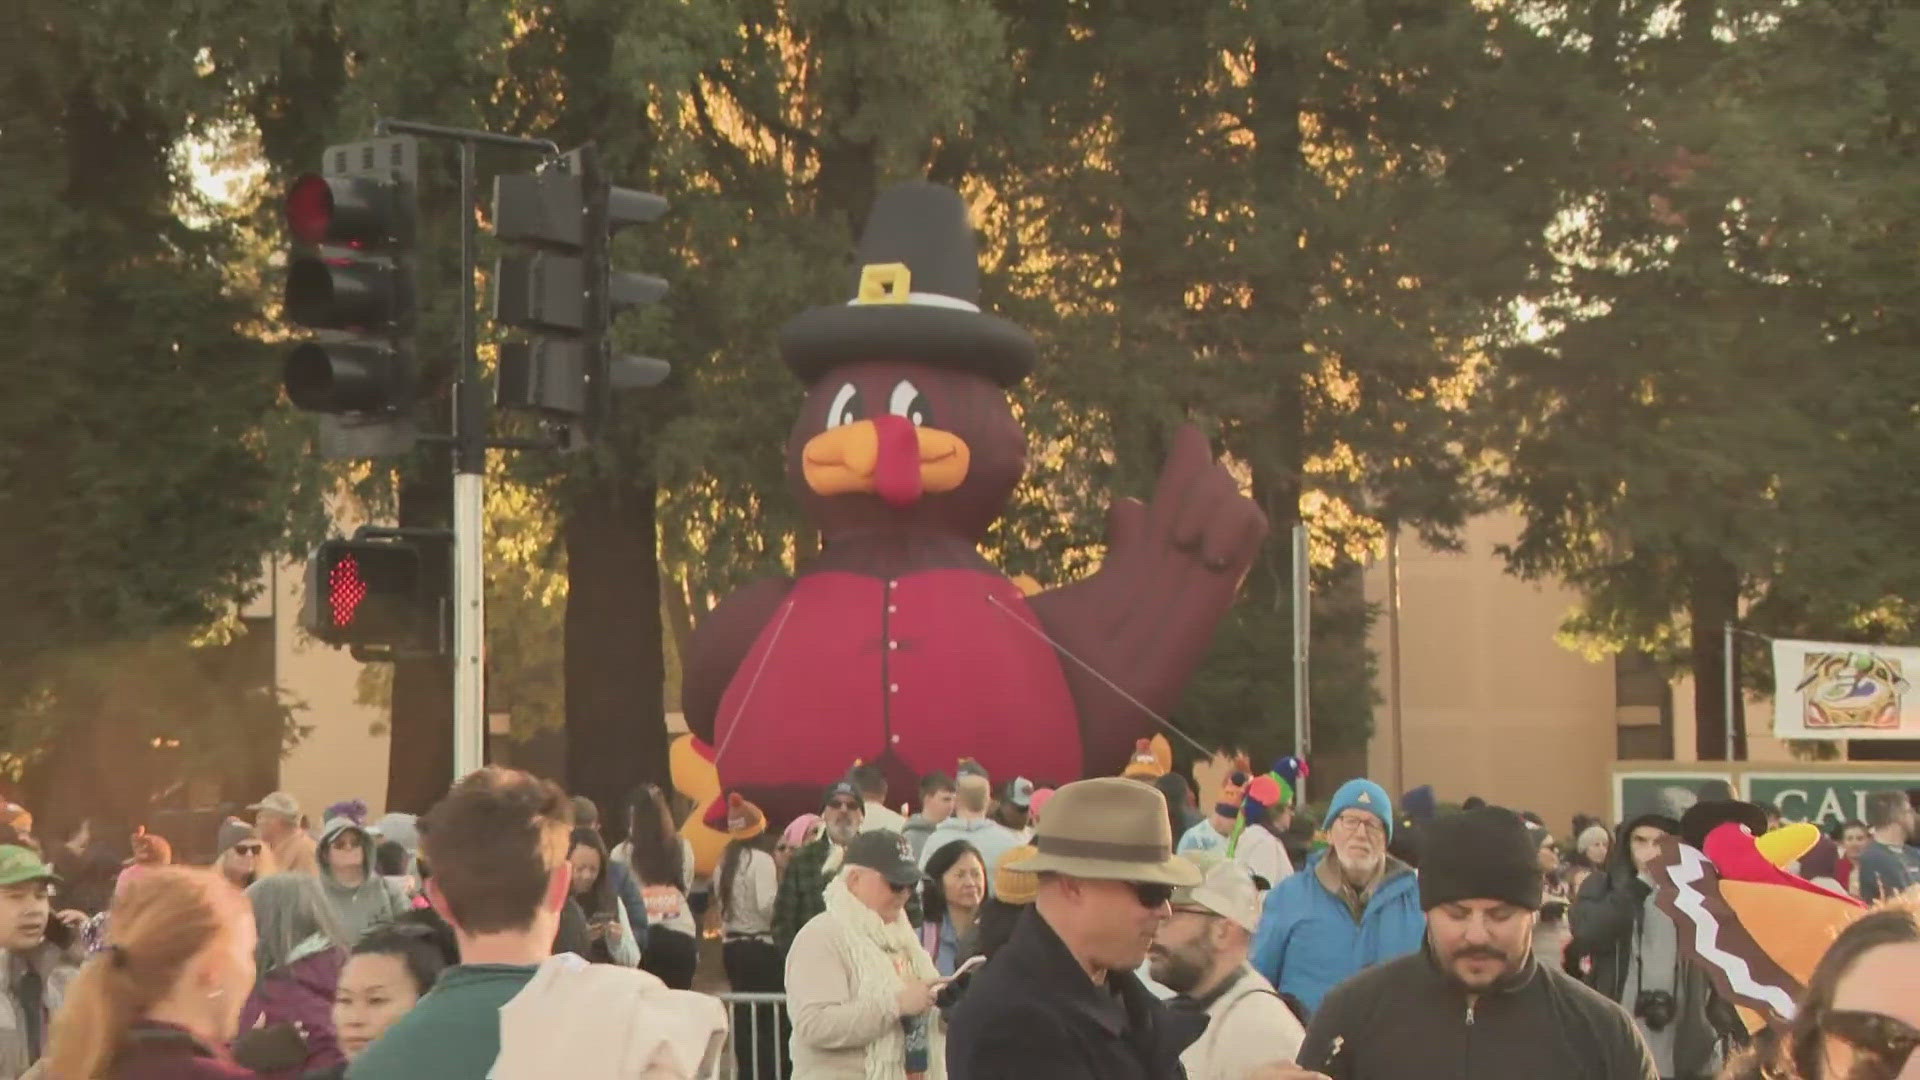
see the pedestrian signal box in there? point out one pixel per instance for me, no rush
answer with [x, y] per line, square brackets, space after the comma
[386, 597]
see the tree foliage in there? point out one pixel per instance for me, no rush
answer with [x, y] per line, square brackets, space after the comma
[1645, 270]
[1703, 418]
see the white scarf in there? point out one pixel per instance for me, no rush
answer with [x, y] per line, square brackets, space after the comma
[869, 949]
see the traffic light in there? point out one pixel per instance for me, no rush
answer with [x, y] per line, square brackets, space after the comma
[385, 593]
[562, 290]
[351, 278]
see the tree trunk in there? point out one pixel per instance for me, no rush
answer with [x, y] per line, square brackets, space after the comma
[1714, 601]
[616, 727]
[420, 747]
[92, 772]
[1274, 442]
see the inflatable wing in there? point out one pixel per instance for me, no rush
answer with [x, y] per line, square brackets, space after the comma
[1757, 941]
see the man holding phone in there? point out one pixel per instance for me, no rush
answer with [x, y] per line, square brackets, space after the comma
[38, 970]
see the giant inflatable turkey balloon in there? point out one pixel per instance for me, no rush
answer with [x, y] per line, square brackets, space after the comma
[900, 644]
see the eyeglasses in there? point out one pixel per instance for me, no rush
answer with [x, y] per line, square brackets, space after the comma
[1151, 895]
[1365, 823]
[908, 887]
[247, 849]
[840, 804]
[1887, 1041]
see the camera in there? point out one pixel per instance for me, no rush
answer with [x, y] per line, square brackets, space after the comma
[1656, 1007]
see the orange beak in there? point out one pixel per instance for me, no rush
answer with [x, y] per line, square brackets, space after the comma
[889, 457]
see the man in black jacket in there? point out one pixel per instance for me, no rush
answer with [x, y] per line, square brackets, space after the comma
[1630, 951]
[1060, 1000]
[1473, 1004]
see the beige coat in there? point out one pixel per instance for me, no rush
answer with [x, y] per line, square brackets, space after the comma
[1247, 1027]
[586, 1021]
[832, 1028]
[57, 970]
[298, 853]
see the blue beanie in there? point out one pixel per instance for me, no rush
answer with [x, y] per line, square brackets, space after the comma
[1362, 794]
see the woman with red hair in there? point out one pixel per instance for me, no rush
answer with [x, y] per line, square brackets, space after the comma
[162, 999]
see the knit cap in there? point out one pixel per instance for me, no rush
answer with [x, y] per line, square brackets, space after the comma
[1483, 854]
[1362, 794]
[1012, 885]
[232, 831]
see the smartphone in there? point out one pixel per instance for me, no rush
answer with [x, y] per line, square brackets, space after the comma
[970, 963]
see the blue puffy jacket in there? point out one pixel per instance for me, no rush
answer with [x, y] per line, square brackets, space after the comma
[1308, 942]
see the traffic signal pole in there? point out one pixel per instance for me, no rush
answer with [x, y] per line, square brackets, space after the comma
[469, 456]
[390, 594]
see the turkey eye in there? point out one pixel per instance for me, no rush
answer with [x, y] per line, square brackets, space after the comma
[845, 408]
[909, 402]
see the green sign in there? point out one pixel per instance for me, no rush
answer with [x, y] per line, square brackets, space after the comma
[1824, 798]
[1666, 793]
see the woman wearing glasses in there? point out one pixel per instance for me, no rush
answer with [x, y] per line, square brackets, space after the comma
[242, 857]
[1859, 1018]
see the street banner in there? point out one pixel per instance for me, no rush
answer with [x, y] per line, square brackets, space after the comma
[1669, 794]
[1824, 690]
[1825, 799]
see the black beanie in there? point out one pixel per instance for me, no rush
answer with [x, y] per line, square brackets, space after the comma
[1482, 854]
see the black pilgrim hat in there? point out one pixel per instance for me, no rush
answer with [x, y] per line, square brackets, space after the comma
[1705, 816]
[916, 294]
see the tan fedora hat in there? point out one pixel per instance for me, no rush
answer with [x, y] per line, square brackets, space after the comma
[1109, 829]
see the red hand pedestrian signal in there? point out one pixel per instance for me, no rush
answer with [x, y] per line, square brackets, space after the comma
[378, 593]
[345, 591]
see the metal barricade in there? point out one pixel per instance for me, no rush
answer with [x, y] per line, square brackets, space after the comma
[758, 1029]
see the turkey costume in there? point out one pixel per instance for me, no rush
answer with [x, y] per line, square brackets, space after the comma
[900, 644]
[1756, 929]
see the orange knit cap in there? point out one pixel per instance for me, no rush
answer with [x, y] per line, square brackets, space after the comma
[1011, 884]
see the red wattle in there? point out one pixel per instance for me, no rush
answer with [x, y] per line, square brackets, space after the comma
[896, 473]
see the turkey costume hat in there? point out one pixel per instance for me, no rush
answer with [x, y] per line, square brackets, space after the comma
[916, 294]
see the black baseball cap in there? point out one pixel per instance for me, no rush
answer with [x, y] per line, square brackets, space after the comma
[886, 851]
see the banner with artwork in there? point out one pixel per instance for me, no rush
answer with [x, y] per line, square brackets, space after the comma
[1824, 690]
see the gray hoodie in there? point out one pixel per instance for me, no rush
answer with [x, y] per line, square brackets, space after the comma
[361, 906]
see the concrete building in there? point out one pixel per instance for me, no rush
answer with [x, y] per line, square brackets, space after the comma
[1480, 697]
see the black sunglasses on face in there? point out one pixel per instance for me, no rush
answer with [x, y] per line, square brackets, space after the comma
[1150, 895]
[247, 849]
[1887, 1041]
[838, 804]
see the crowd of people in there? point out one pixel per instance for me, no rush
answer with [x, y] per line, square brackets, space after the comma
[1111, 928]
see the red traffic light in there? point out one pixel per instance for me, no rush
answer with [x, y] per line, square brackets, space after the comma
[310, 209]
[357, 211]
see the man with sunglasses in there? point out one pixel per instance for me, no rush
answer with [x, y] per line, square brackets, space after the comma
[1351, 906]
[802, 892]
[1060, 999]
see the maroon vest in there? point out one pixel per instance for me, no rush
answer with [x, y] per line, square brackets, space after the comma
[912, 673]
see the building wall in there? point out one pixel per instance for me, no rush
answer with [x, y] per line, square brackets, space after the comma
[1489, 703]
[344, 755]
